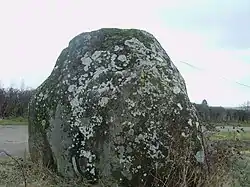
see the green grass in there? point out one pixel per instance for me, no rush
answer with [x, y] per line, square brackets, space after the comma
[235, 124]
[241, 171]
[14, 121]
[231, 136]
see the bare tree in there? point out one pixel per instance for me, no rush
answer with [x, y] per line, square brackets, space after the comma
[245, 111]
[13, 101]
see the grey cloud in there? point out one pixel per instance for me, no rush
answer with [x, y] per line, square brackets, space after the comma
[229, 20]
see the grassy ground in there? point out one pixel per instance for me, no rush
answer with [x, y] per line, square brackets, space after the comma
[233, 124]
[241, 168]
[21, 172]
[17, 172]
[14, 121]
[231, 136]
[241, 171]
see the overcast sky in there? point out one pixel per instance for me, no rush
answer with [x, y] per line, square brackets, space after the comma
[212, 35]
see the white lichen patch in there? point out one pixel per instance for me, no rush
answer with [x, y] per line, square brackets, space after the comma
[176, 90]
[197, 124]
[96, 55]
[118, 48]
[159, 59]
[113, 57]
[72, 88]
[86, 61]
[179, 105]
[176, 111]
[43, 123]
[122, 58]
[136, 45]
[87, 131]
[40, 95]
[103, 102]
[131, 103]
[90, 164]
[184, 134]
[190, 122]
[43, 96]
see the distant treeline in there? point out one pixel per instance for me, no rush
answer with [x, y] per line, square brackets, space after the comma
[221, 114]
[14, 102]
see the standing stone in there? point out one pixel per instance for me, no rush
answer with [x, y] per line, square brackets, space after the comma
[115, 107]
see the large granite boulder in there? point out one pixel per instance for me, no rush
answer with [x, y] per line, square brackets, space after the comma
[115, 107]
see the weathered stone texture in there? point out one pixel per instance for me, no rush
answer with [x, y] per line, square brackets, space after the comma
[114, 106]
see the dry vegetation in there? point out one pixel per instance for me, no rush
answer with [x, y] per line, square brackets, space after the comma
[224, 166]
[22, 172]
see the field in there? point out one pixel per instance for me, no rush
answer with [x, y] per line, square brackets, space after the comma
[241, 168]
[233, 124]
[243, 136]
[14, 121]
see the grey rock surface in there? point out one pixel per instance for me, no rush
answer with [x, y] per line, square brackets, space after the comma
[115, 106]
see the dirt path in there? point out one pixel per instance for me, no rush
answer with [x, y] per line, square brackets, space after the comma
[13, 139]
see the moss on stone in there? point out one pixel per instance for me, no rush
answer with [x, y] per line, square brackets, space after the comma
[120, 95]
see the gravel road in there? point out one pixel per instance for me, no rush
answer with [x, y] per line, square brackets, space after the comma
[13, 139]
